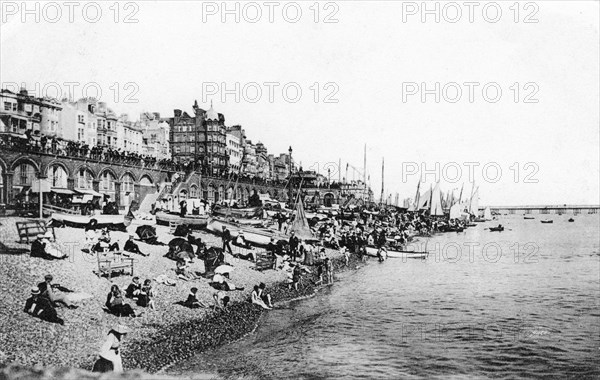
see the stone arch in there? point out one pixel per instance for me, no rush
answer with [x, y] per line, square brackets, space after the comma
[127, 188]
[128, 172]
[3, 165]
[149, 181]
[25, 160]
[211, 191]
[58, 175]
[108, 178]
[194, 191]
[85, 167]
[52, 163]
[110, 170]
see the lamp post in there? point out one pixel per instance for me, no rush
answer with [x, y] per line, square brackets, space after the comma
[328, 178]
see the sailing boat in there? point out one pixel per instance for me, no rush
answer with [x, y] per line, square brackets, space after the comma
[435, 207]
[487, 214]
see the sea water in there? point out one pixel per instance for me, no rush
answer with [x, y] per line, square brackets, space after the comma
[518, 303]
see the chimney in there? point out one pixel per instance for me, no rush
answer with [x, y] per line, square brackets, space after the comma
[23, 91]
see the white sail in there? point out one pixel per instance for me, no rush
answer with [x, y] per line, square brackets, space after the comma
[487, 214]
[424, 200]
[436, 201]
[456, 211]
[474, 204]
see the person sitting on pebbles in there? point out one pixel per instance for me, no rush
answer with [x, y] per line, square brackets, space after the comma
[47, 290]
[133, 290]
[221, 301]
[183, 270]
[263, 294]
[104, 242]
[146, 297]
[222, 282]
[116, 304]
[257, 300]
[45, 247]
[192, 300]
[131, 246]
[41, 307]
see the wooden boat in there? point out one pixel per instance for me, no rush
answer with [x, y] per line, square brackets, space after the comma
[471, 225]
[547, 221]
[399, 254]
[247, 212]
[256, 236]
[571, 220]
[195, 222]
[496, 229]
[113, 222]
[529, 217]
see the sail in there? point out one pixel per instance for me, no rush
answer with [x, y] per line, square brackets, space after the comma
[436, 201]
[487, 214]
[414, 206]
[474, 205]
[300, 224]
[424, 200]
[455, 211]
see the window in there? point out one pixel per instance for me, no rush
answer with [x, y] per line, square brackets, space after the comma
[14, 107]
[84, 179]
[7, 106]
[25, 174]
[79, 134]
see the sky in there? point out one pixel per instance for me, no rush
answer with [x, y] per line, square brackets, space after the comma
[367, 72]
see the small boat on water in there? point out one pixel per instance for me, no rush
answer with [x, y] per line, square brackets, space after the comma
[529, 217]
[399, 254]
[547, 221]
[497, 229]
[571, 220]
[195, 222]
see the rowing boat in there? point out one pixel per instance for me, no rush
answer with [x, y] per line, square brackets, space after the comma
[398, 254]
[247, 212]
[193, 221]
[547, 221]
[256, 236]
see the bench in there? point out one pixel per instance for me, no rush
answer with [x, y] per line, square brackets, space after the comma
[29, 230]
[264, 261]
[113, 262]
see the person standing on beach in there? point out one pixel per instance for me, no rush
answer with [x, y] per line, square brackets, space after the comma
[226, 238]
[110, 353]
[293, 242]
[329, 270]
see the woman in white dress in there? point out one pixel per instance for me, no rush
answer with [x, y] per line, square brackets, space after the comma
[110, 352]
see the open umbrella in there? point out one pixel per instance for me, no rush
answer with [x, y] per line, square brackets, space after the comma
[180, 248]
[222, 269]
[146, 232]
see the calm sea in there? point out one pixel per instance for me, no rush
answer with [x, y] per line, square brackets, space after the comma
[521, 303]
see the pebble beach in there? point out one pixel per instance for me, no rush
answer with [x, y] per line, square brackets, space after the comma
[158, 339]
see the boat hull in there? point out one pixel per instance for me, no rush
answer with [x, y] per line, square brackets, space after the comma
[114, 222]
[398, 254]
[193, 221]
[238, 212]
[256, 236]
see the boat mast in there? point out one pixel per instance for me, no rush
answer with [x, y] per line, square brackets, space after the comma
[382, 179]
[364, 172]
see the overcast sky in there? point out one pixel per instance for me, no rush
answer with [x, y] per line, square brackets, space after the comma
[369, 57]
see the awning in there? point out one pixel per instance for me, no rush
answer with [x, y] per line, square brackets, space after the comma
[62, 191]
[90, 192]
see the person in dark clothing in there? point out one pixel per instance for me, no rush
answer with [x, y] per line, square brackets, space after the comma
[226, 237]
[182, 208]
[115, 303]
[192, 301]
[130, 246]
[133, 290]
[279, 218]
[293, 246]
[41, 307]
[272, 247]
[38, 248]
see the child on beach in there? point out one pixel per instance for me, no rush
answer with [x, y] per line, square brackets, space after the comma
[221, 301]
[183, 271]
[133, 290]
[257, 300]
[146, 297]
[262, 293]
[116, 305]
[192, 301]
[346, 254]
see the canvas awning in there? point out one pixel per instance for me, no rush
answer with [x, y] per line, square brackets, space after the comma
[62, 191]
[89, 192]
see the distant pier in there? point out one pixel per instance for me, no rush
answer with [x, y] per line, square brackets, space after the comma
[547, 209]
